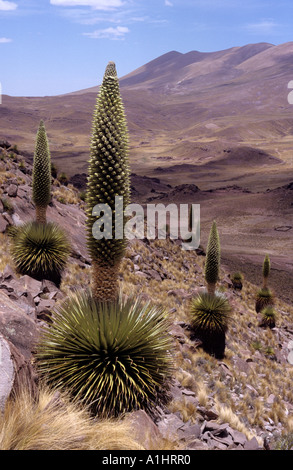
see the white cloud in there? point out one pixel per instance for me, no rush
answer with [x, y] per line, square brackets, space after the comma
[168, 3]
[5, 40]
[95, 4]
[117, 33]
[7, 6]
[262, 27]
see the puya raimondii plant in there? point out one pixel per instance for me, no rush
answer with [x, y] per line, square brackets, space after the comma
[109, 351]
[39, 248]
[264, 296]
[41, 174]
[108, 178]
[210, 311]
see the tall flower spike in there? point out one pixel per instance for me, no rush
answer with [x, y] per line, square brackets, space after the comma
[108, 178]
[41, 174]
[212, 265]
[266, 270]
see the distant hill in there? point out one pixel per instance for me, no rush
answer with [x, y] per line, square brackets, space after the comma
[177, 105]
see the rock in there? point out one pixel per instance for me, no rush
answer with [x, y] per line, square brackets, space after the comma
[169, 427]
[197, 445]
[153, 274]
[181, 293]
[290, 357]
[237, 436]
[3, 224]
[252, 444]
[16, 220]
[16, 326]
[144, 429]
[210, 414]
[241, 365]
[12, 190]
[178, 333]
[271, 398]
[32, 285]
[48, 286]
[6, 372]
[25, 375]
[216, 428]
[5, 144]
[189, 431]
[8, 273]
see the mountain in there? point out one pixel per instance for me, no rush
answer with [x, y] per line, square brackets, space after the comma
[181, 108]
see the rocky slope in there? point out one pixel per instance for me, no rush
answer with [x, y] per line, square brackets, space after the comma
[244, 401]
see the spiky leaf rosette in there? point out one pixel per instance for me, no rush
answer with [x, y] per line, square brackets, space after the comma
[40, 250]
[112, 356]
[109, 168]
[210, 312]
[213, 254]
[264, 297]
[41, 169]
[210, 316]
[237, 279]
[268, 317]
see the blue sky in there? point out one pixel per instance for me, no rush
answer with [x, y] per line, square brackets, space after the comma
[49, 47]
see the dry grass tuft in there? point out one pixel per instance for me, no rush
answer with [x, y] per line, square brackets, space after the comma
[52, 422]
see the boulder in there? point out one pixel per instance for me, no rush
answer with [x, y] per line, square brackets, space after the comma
[16, 326]
[12, 190]
[144, 429]
[3, 224]
[7, 373]
[252, 444]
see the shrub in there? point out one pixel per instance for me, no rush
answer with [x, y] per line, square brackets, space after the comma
[283, 442]
[40, 250]
[112, 356]
[210, 315]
